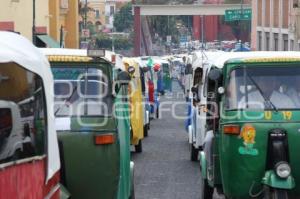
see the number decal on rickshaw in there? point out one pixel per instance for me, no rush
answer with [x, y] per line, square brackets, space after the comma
[287, 115]
[268, 115]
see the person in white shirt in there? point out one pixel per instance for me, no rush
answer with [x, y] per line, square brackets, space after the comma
[268, 96]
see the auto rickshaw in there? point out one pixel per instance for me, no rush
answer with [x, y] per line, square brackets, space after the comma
[92, 123]
[157, 81]
[159, 76]
[150, 87]
[29, 156]
[252, 126]
[136, 103]
[167, 79]
[201, 64]
[145, 92]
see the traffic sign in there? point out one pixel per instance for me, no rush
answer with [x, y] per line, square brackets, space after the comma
[236, 15]
[85, 33]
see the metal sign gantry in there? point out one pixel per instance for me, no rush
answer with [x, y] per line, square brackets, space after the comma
[191, 9]
[169, 10]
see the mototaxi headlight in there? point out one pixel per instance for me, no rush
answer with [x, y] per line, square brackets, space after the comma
[283, 169]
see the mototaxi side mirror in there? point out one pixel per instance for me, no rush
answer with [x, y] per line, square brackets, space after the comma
[145, 69]
[123, 79]
[194, 89]
[221, 90]
[131, 70]
[215, 74]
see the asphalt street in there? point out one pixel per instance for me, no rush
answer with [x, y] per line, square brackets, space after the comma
[164, 169]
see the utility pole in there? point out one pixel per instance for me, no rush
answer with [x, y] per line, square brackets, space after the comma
[240, 33]
[202, 31]
[113, 40]
[33, 23]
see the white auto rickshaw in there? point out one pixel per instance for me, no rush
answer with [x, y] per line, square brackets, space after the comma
[201, 63]
[29, 156]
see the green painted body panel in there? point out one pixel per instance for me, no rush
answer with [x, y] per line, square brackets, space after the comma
[241, 173]
[216, 158]
[91, 171]
[272, 180]
[95, 171]
[214, 172]
[123, 125]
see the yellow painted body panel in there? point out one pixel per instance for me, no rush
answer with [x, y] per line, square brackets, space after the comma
[68, 58]
[136, 102]
[266, 60]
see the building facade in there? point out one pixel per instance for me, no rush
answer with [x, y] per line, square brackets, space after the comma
[64, 27]
[17, 15]
[275, 25]
[96, 13]
[101, 13]
[56, 21]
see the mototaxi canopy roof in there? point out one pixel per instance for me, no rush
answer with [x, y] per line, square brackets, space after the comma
[17, 49]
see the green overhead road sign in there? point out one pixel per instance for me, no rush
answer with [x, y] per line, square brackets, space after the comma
[236, 15]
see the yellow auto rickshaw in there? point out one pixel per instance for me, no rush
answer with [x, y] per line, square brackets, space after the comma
[136, 103]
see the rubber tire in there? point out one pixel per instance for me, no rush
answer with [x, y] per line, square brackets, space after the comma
[157, 113]
[271, 193]
[146, 131]
[207, 192]
[193, 153]
[139, 147]
[279, 194]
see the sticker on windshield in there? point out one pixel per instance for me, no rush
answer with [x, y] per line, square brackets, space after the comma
[67, 73]
[248, 134]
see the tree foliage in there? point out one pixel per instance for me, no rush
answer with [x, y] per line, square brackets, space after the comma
[123, 20]
[120, 42]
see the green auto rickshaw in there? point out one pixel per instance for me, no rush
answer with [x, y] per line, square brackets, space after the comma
[252, 126]
[92, 123]
[167, 79]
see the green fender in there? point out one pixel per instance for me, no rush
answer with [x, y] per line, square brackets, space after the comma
[272, 180]
[203, 164]
[64, 193]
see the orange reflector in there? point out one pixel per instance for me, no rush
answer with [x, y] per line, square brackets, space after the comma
[231, 129]
[104, 139]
